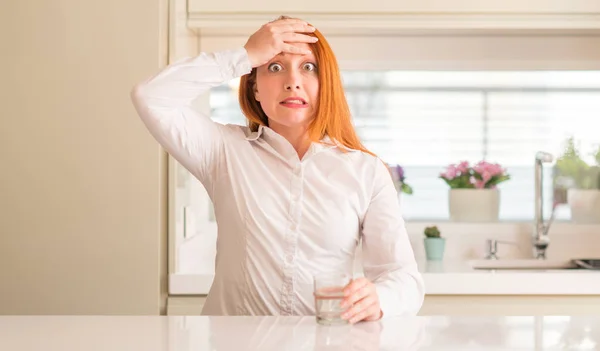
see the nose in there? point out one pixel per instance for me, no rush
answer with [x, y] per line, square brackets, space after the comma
[291, 87]
[292, 81]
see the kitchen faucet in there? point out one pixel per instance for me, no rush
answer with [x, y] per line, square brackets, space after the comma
[540, 230]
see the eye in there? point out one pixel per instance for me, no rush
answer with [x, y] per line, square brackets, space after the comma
[309, 66]
[275, 67]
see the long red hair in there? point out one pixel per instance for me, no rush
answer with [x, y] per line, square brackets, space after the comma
[332, 116]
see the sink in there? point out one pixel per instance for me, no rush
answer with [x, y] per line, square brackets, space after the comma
[522, 264]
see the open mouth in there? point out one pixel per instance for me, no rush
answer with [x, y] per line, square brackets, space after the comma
[294, 101]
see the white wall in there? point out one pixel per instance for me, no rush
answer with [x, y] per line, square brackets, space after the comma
[82, 184]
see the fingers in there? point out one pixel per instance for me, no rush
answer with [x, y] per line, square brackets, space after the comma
[358, 292]
[276, 37]
[362, 296]
[363, 309]
[298, 38]
[372, 313]
[300, 28]
[290, 25]
[294, 49]
[355, 285]
[289, 21]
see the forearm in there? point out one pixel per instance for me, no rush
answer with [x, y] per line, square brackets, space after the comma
[401, 292]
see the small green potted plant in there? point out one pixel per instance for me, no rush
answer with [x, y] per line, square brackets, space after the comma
[571, 171]
[434, 244]
[581, 181]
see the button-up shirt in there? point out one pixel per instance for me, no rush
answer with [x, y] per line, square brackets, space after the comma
[281, 219]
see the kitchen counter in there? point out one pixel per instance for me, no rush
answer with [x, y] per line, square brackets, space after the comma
[199, 333]
[459, 278]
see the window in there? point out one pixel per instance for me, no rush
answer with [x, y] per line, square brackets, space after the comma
[425, 120]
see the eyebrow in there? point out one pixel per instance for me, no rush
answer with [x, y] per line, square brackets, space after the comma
[284, 54]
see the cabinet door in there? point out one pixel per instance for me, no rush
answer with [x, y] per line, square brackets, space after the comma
[185, 306]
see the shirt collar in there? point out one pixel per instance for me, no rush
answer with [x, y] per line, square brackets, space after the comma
[326, 141]
[255, 135]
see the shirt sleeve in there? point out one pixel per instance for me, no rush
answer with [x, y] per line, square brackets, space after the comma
[164, 104]
[388, 258]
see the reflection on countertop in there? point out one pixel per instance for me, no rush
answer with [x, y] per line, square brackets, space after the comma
[198, 333]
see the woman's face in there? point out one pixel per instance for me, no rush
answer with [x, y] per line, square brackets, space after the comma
[287, 88]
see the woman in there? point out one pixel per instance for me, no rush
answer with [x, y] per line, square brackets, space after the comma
[293, 192]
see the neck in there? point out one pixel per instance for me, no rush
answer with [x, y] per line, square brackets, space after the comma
[297, 137]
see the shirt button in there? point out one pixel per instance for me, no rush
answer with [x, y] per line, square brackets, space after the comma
[289, 258]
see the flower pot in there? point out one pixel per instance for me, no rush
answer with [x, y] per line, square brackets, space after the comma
[434, 248]
[585, 205]
[474, 205]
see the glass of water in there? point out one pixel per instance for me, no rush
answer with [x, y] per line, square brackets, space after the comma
[328, 291]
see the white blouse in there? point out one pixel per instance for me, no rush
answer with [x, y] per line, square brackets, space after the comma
[280, 219]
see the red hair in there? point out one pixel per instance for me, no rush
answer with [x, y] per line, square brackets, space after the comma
[332, 116]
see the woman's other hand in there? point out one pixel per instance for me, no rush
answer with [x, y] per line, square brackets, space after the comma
[277, 37]
[361, 296]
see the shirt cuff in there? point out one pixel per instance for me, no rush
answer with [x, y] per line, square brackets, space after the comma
[387, 300]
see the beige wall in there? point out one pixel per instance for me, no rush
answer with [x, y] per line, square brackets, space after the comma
[82, 230]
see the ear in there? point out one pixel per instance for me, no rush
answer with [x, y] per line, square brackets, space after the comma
[256, 94]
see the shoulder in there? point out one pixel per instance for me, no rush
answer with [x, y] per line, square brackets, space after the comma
[358, 158]
[364, 160]
[237, 131]
[370, 169]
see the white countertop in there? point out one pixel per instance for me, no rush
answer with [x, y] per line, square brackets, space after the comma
[458, 278]
[201, 333]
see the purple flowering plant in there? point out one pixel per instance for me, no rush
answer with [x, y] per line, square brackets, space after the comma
[483, 175]
[399, 179]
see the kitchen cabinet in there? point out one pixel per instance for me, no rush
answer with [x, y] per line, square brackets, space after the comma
[185, 305]
[378, 14]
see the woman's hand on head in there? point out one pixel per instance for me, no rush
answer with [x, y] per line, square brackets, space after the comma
[276, 37]
[361, 301]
